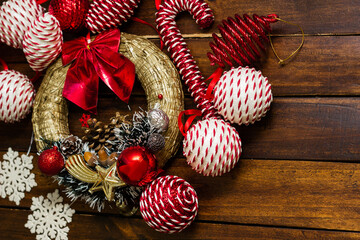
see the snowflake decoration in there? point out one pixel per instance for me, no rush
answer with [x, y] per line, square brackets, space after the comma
[50, 217]
[84, 120]
[15, 176]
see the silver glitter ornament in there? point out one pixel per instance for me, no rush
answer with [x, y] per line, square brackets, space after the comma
[155, 142]
[158, 119]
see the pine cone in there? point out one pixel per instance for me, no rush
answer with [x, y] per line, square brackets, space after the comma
[98, 135]
[70, 146]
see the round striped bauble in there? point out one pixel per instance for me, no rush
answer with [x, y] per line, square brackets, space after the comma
[105, 14]
[43, 42]
[169, 204]
[212, 147]
[15, 19]
[242, 95]
[16, 96]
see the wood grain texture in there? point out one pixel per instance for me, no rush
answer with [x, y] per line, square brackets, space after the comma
[114, 228]
[299, 173]
[326, 65]
[304, 194]
[295, 128]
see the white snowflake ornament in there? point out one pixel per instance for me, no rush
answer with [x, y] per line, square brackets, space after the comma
[15, 176]
[50, 217]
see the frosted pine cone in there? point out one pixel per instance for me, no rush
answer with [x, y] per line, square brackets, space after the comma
[43, 42]
[16, 96]
[105, 14]
[15, 19]
[242, 95]
[212, 147]
[169, 204]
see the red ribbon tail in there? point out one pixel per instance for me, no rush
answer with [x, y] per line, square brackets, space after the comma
[157, 4]
[36, 77]
[3, 63]
[193, 113]
[41, 1]
[146, 23]
[215, 78]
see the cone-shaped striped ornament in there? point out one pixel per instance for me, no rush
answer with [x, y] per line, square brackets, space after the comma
[43, 42]
[242, 95]
[169, 204]
[16, 96]
[212, 147]
[15, 19]
[105, 14]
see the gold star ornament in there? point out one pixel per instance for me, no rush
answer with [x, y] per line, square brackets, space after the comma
[103, 179]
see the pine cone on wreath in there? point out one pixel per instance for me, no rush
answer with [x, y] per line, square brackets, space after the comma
[70, 146]
[98, 134]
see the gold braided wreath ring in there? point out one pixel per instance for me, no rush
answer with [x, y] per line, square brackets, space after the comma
[154, 70]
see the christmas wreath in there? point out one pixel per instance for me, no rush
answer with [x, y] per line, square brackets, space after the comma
[155, 130]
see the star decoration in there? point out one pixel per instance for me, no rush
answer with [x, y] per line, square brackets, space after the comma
[107, 181]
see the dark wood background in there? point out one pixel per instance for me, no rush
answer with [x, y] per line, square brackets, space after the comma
[298, 177]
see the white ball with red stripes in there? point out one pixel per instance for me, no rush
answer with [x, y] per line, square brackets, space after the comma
[16, 96]
[169, 204]
[242, 95]
[43, 42]
[15, 18]
[212, 147]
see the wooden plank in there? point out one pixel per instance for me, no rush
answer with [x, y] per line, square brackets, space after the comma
[315, 16]
[113, 227]
[295, 128]
[301, 194]
[324, 66]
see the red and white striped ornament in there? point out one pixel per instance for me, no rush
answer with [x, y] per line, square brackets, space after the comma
[105, 14]
[15, 19]
[169, 204]
[212, 147]
[16, 96]
[180, 53]
[242, 95]
[43, 42]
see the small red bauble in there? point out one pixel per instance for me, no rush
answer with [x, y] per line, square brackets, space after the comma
[136, 166]
[51, 162]
[70, 13]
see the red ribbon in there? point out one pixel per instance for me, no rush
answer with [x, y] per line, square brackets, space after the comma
[148, 24]
[157, 4]
[99, 58]
[215, 78]
[193, 114]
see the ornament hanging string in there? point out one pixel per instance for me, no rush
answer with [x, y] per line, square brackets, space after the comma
[283, 61]
[3, 63]
[36, 77]
[6, 67]
[41, 1]
[135, 19]
[215, 77]
[193, 113]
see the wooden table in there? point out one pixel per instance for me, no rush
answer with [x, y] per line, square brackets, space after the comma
[298, 177]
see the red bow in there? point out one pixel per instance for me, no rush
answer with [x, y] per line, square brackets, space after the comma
[99, 58]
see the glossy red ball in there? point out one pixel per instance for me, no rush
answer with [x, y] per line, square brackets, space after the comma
[135, 165]
[70, 13]
[51, 162]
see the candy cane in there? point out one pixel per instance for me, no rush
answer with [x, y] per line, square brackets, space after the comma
[212, 147]
[165, 19]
